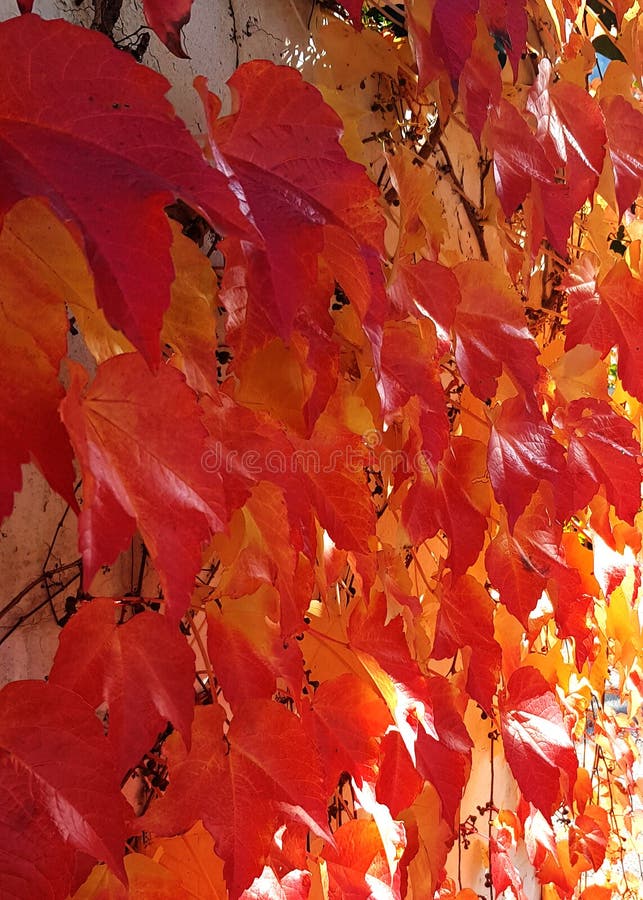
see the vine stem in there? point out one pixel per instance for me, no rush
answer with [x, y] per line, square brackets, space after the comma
[44, 576]
[491, 805]
[196, 634]
[38, 607]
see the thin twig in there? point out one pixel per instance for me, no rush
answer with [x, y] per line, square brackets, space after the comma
[38, 607]
[36, 581]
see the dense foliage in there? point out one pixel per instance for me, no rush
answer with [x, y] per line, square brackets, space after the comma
[379, 438]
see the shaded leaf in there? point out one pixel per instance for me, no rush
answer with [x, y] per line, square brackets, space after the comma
[602, 452]
[491, 331]
[348, 718]
[521, 561]
[166, 18]
[399, 782]
[60, 789]
[445, 762]
[457, 502]
[69, 139]
[357, 866]
[143, 670]
[33, 341]
[623, 123]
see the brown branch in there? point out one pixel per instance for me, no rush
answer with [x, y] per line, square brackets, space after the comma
[36, 581]
[470, 209]
[39, 606]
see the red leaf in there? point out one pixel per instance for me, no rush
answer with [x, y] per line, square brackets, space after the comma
[398, 782]
[445, 762]
[59, 787]
[143, 670]
[607, 313]
[570, 139]
[33, 341]
[491, 331]
[480, 82]
[522, 452]
[465, 619]
[308, 206]
[73, 139]
[504, 873]
[457, 503]
[537, 743]
[623, 123]
[357, 865]
[571, 128]
[507, 21]
[517, 157]
[332, 463]
[244, 786]
[354, 10]
[383, 650]
[240, 669]
[588, 836]
[449, 38]
[602, 453]
[166, 18]
[348, 717]
[409, 369]
[521, 562]
[141, 444]
[427, 288]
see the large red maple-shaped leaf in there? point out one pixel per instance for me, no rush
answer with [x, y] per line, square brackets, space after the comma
[409, 369]
[59, 790]
[465, 619]
[605, 313]
[445, 761]
[536, 740]
[456, 502]
[348, 717]
[76, 140]
[520, 561]
[244, 785]
[522, 452]
[143, 670]
[560, 164]
[442, 36]
[140, 443]
[602, 452]
[491, 331]
[316, 211]
[624, 123]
